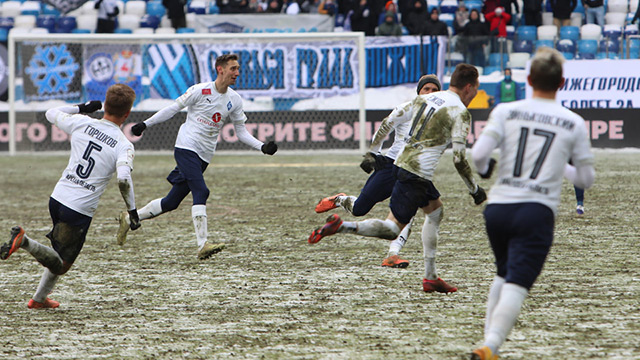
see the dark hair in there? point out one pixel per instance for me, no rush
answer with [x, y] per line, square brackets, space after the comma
[119, 100]
[425, 79]
[545, 72]
[464, 74]
[222, 60]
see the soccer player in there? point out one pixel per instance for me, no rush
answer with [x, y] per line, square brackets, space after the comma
[536, 137]
[210, 105]
[439, 119]
[380, 184]
[98, 150]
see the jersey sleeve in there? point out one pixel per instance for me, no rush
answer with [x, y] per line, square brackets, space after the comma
[495, 125]
[189, 97]
[125, 155]
[399, 115]
[581, 155]
[461, 124]
[65, 120]
[237, 115]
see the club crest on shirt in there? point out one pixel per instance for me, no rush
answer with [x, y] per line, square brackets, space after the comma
[229, 105]
[206, 91]
[216, 117]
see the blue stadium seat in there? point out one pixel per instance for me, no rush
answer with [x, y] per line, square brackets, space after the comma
[474, 5]
[149, 21]
[568, 55]
[66, 24]
[405, 31]
[609, 45]
[491, 69]
[30, 12]
[196, 9]
[566, 45]
[47, 9]
[4, 34]
[604, 55]
[448, 7]
[185, 30]
[570, 32]
[81, 31]
[523, 46]
[543, 43]
[156, 8]
[6, 22]
[630, 30]
[494, 59]
[634, 49]
[122, 31]
[213, 8]
[612, 32]
[579, 8]
[46, 21]
[587, 49]
[527, 32]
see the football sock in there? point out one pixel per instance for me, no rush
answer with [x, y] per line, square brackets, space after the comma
[504, 315]
[199, 215]
[430, 230]
[45, 255]
[385, 229]
[346, 202]
[151, 210]
[396, 245]
[492, 300]
[45, 286]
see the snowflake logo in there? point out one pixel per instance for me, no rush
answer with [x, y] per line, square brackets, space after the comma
[52, 69]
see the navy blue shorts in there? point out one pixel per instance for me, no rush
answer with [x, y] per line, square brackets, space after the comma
[377, 188]
[190, 167]
[410, 193]
[69, 230]
[520, 236]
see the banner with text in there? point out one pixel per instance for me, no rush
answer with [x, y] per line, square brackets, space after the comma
[264, 23]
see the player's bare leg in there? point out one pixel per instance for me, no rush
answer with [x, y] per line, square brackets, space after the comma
[205, 248]
[393, 259]
[151, 210]
[384, 229]
[430, 229]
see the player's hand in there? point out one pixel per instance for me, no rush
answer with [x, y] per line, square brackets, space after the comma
[134, 220]
[90, 106]
[138, 128]
[269, 148]
[479, 196]
[368, 164]
[492, 165]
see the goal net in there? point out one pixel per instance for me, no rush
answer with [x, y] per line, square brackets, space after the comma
[279, 73]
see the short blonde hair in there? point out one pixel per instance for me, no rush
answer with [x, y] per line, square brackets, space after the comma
[545, 72]
[119, 100]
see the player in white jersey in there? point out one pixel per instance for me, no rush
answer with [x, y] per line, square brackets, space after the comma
[380, 184]
[536, 137]
[439, 119]
[98, 150]
[209, 107]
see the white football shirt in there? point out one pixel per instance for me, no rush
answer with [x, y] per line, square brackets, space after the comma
[537, 137]
[98, 147]
[399, 116]
[207, 113]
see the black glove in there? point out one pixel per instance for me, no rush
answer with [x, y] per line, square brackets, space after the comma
[90, 106]
[134, 220]
[269, 148]
[479, 196]
[492, 164]
[138, 128]
[368, 164]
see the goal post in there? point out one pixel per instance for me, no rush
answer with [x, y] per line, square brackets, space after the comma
[277, 71]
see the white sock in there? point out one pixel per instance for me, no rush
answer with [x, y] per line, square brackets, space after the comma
[430, 230]
[199, 216]
[504, 315]
[47, 282]
[396, 245]
[45, 255]
[385, 229]
[151, 210]
[492, 300]
[346, 202]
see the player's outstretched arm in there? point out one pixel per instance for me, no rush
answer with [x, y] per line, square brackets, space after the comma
[481, 155]
[243, 135]
[464, 170]
[159, 117]
[125, 185]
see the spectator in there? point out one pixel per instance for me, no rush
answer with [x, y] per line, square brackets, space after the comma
[474, 39]
[390, 26]
[291, 7]
[532, 12]
[362, 19]
[175, 12]
[434, 26]
[562, 10]
[107, 12]
[417, 17]
[490, 6]
[508, 89]
[507, 6]
[273, 6]
[462, 17]
[309, 6]
[327, 7]
[594, 11]
[498, 20]
[233, 6]
[390, 6]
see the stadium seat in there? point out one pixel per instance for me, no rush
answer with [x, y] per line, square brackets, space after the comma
[618, 6]
[89, 8]
[580, 8]
[47, 9]
[590, 32]
[149, 21]
[122, 31]
[633, 6]
[568, 55]
[135, 7]
[165, 22]
[566, 46]
[405, 31]
[165, 30]
[191, 20]
[494, 59]
[609, 46]
[11, 8]
[474, 5]
[511, 32]
[454, 59]
[38, 30]
[6, 22]
[447, 19]
[197, 7]
[25, 21]
[156, 8]
[46, 21]
[143, 30]
[87, 22]
[544, 43]
[185, 30]
[612, 31]
[631, 30]
[213, 8]
[4, 34]
[547, 32]
[587, 48]
[547, 18]
[448, 6]
[604, 55]
[491, 69]
[615, 18]
[576, 19]
[570, 32]
[129, 21]
[66, 24]
[523, 46]
[518, 60]
[81, 31]
[526, 32]
[480, 70]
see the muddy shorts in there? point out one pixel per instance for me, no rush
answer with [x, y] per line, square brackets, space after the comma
[69, 230]
[410, 193]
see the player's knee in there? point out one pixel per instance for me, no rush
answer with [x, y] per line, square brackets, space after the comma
[200, 196]
[169, 204]
[64, 267]
[362, 206]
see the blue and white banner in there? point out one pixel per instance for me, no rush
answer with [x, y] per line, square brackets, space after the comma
[171, 70]
[64, 6]
[105, 65]
[287, 69]
[264, 23]
[52, 71]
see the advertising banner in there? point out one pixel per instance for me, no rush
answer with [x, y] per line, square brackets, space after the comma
[106, 65]
[600, 84]
[264, 23]
[52, 71]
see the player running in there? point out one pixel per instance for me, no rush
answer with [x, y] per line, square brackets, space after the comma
[536, 137]
[98, 150]
[210, 105]
[439, 119]
[380, 184]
